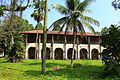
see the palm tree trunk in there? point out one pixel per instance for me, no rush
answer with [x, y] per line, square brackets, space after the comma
[44, 38]
[73, 51]
[36, 51]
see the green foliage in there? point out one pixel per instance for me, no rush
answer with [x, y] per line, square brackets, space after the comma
[116, 4]
[111, 55]
[18, 24]
[2, 10]
[38, 13]
[39, 27]
[17, 49]
[75, 18]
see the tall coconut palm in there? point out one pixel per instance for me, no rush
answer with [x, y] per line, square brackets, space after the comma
[74, 19]
[44, 38]
[38, 15]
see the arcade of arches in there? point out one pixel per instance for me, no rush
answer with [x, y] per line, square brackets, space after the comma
[58, 54]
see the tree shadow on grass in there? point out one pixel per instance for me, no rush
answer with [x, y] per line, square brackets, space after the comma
[48, 64]
[79, 72]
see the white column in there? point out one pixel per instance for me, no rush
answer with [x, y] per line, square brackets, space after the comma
[78, 52]
[26, 51]
[53, 56]
[40, 51]
[39, 46]
[26, 54]
[66, 57]
[65, 52]
[90, 55]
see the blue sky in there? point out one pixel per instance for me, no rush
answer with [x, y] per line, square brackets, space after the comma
[101, 11]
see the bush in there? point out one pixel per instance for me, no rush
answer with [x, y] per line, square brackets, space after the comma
[111, 55]
[17, 49]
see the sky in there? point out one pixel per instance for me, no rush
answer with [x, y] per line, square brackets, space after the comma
[102, 11]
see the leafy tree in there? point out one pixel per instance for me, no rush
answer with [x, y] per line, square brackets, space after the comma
[74, 19]
[111, 55]
[56, 27]
[11, 42]
[116, 4]
[15, 5]
[39, 26]
[17, 48]
[19, 24]
[38, 13]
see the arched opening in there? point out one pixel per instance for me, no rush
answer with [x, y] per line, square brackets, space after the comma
[69, 53]
[95, 54]
[83, 54]
[47, 53]
[58, 54]
[31, 53]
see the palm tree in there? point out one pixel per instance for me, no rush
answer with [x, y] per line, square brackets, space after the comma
[74, 19]
[38, 15]
[44, 38]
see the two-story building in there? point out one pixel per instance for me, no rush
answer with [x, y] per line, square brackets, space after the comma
[59, 46]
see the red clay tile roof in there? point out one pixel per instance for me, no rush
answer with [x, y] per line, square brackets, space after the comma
[58, 32]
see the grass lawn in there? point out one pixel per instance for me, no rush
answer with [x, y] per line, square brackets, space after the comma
[31, 70]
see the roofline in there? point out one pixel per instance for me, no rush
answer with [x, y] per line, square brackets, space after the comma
[58, 32]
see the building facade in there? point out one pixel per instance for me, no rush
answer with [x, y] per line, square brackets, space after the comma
[60, 45]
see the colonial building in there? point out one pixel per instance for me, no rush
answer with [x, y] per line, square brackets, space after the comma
[60, 46]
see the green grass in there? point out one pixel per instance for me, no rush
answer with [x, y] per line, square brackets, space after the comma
[31, 70]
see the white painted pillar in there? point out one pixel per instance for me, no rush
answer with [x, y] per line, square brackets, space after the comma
[39, 47]
[66, 57]
[64, 52]
[78, 52]
[26, 42]
[40, 51]
[65, 49]
[26, 54]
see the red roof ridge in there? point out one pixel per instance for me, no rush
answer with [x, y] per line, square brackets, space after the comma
[60, 32]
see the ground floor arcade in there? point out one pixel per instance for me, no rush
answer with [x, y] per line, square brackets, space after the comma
[63, 51]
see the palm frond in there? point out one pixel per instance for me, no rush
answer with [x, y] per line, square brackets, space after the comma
[80, 27]
[72, 4]
[61, 9]
[88, 25]
[59, 22]
[91, 20]
[87, 11]
[83, 5]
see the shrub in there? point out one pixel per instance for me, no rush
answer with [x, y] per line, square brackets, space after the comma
[111, 55]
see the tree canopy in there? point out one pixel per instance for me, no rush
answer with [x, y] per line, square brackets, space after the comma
[110, 40]
[116, 4]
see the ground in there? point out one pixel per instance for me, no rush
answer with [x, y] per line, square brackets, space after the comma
[31, 70]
